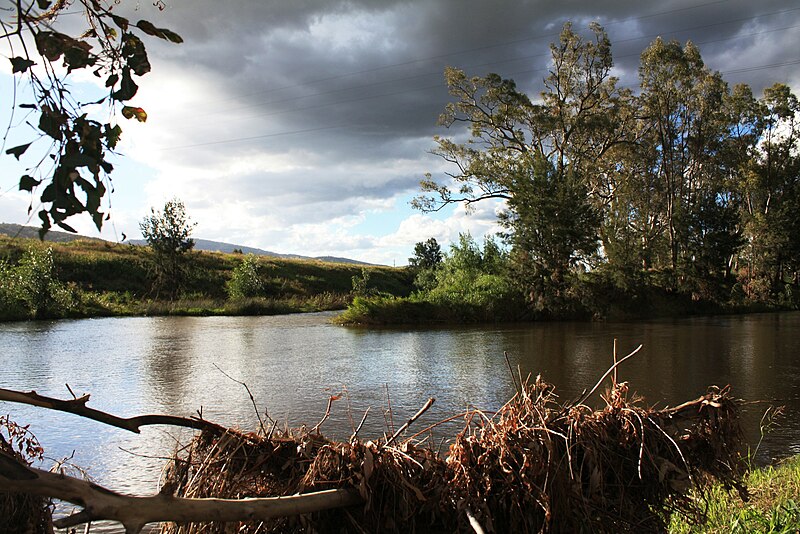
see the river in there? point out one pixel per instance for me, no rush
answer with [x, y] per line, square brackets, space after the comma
[293, 363]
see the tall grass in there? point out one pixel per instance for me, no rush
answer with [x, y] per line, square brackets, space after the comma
[773, 507]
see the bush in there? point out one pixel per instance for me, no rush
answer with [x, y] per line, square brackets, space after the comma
[245, 282]
[32, 288]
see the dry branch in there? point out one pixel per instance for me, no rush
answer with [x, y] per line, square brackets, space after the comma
[78, 406]
[135, 512]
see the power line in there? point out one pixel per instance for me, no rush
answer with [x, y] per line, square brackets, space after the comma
[250, 138]
[521, 58]
[470, 50]
[438, 85]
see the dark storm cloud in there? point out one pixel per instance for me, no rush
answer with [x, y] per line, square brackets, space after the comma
[381, 70]
[351, 90]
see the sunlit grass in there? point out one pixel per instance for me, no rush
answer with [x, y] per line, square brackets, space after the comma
[117, 279]
[773, 507]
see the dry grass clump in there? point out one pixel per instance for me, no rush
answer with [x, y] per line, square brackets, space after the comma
[538, 466]
[534, 466]
[21, 512]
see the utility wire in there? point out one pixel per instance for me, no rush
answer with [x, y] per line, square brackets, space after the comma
[436, 86]
[470, 50]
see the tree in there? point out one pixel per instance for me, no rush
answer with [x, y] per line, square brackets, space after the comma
[552, 229]
[427, 255]
[770, 189]
[168, 233]
[32, 285]
[549, 161]
[683, 105]
[581, 118]
[77, 175]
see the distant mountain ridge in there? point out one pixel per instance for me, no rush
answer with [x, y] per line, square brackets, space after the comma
[18, 230]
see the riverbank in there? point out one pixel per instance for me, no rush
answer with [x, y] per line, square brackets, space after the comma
[99, 278]
[595, 304]
[774, 504]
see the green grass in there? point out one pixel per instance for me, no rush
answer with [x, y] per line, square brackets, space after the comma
[116, 279]
[773, 507]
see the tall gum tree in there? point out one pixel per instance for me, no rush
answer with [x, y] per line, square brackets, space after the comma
[544, 158]
[685, 124]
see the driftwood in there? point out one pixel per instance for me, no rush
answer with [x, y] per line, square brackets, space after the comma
[78, 406]
[135, 512]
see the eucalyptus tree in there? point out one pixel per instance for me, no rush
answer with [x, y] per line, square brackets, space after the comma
[771, 195]
[685, 126]
[544, 158]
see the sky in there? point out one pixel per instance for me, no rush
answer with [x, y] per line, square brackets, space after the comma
[305, 126]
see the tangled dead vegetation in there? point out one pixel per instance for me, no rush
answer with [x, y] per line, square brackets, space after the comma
[20, 512]
[534, 466]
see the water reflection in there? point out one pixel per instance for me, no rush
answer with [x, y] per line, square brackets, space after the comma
[292, 363]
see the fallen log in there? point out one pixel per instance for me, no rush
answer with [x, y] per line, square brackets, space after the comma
[135, 512]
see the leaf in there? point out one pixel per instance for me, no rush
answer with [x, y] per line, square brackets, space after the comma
[161, 33]
[148, 28]
[122, 22]
[77, 55]
[43, 4]
[172, 36]
[50, 123]
[128, 87]
[45, 223]
[28, 106]
[130, 112]
[134, 50]
[27, 183]
[20, 64]
[51, 44]
[17, 151]
[112, 80]
[67, 227]
[112, 135]
[49, 193]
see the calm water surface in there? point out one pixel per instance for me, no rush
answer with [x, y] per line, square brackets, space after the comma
[133, 366]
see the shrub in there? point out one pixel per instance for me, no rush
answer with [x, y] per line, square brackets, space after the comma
[245, 282]
[32, 285]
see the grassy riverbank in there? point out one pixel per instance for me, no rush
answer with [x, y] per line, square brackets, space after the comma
[774, 504]
[98, 278]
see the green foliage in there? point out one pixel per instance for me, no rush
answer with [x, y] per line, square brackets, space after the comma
[78, 178]
[245, 281]
[468, 286]
[361, 283]
[427, 255]
[32, 287]
[773, 506]
[168, 233]
[687, 187]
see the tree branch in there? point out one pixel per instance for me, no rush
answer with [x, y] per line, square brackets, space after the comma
[78, 406]
[135, 512]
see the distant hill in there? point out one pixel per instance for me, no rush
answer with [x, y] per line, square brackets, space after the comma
[17, 230]
[219, 246]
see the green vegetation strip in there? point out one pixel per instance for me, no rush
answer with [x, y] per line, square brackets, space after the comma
[97, 278]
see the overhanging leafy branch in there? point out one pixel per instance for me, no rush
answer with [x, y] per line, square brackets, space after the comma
[71, 174]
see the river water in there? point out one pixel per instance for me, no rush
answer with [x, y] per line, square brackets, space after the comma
[293, 363]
